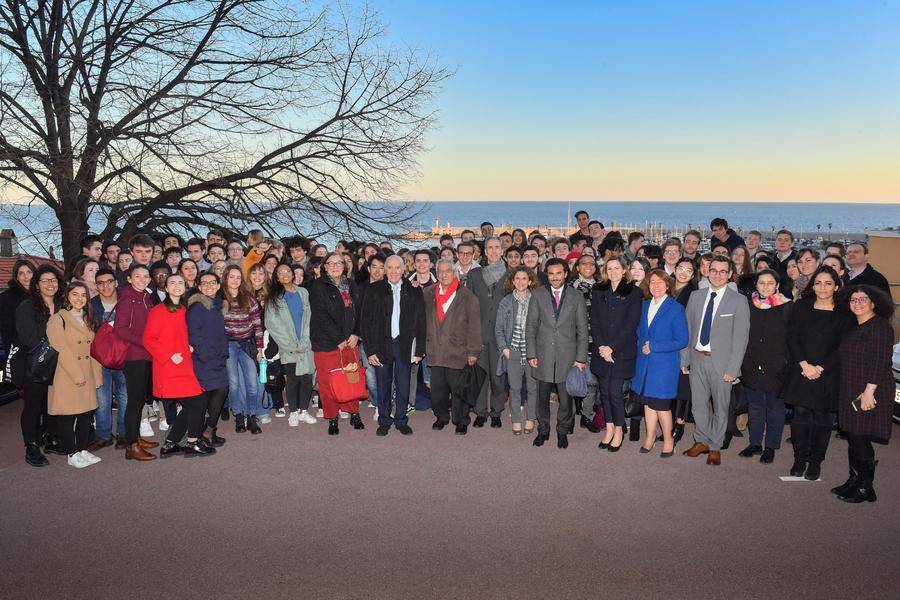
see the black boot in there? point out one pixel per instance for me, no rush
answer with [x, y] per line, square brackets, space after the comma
[225, 414]
[634, 431]
[356, 421]
[52, 445]
[239, 426]
[34, 456]
[800, 442]
[253, 424]
[587, 424]
[847, 487]
[333, 427]
[820, 437]
[863, 491]
[214, 440]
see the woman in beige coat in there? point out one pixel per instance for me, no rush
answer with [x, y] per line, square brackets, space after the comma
[73, 394]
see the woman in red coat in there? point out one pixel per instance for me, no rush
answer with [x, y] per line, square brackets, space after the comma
[166, 339]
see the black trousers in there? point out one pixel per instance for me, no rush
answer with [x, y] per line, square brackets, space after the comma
[810, 433]
[73, 431]
[565, 415]
[447, 392]
[191, 419]
[137, 383]
[297, 388]
[859, 450]
[34, 420]
[612, 398]
[215, 400]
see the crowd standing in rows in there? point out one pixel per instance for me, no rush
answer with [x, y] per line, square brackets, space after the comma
[623, 334]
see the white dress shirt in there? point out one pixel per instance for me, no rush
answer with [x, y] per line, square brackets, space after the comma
[716, 301]
[653, 308]
[395, 311]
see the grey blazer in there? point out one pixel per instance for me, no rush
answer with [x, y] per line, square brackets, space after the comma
[729, 333]
[556, 342]
[280, 325]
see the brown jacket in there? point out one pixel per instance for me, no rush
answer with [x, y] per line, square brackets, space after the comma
[449, 344]
[73, 342]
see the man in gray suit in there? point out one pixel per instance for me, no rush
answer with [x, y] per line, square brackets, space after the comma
[556, 339]
[487, 285]
[719, 324]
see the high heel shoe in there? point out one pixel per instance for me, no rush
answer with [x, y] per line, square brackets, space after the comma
[603, 445]
[612, 448]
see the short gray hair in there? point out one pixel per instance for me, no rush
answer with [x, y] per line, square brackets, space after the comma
[444, 261]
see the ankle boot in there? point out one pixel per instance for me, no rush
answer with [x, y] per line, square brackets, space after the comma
[135, 452]
[34, 456]
[356, 421]
[239, 426]
[634, 431]
[852, 481]
[864, 490]
[253, 424]
[214, 440]
[800, 443]
[333, 427]
[52, 445]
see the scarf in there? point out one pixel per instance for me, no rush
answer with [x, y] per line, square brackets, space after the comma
[344, 289]
[776, 299]
[493, 273]
[441, 299]
[800, 284]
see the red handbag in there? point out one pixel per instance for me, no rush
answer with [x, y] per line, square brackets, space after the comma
[108, 349]
[348, 382]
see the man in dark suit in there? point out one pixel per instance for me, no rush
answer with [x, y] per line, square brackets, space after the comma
[861, 272]
[719, 325]
[487, 285]
[393, 333]
[453, 341]
[556, 339]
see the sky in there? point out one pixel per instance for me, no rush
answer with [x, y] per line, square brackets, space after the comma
[660, 100]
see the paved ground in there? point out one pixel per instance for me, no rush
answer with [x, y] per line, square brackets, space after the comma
[294, 513]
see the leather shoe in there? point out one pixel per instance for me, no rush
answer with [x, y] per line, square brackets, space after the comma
[197, 448]
[562, 441]
[727, 441]
[813, 472]
[696, 450]
[169, 449]
[356, 421]
[34, 456]
[52, 446]
[121, 443]
[539, 440]
[333, 428]
[768, 456]
[382, 430]
[798, 468]
[751, 450]
[587, 424]
[479, 422]
[496, 423]
[405, 430]
[99, 443]
[147, 444]
[135, 452]
[714, 458]
[462, 429]
[438, 425]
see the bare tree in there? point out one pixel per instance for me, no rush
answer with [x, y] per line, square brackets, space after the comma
[177, 115]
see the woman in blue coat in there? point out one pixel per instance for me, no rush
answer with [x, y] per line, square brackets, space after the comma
[206, 333]
[662, 333]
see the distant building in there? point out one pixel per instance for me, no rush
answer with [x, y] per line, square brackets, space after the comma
[9, 254]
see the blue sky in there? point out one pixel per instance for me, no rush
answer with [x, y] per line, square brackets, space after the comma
[661, 100]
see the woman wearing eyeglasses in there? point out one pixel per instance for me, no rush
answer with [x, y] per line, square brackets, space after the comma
[44, 300]
[865, 401]
[334, 333]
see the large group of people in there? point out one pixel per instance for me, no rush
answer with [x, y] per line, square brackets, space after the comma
[625, 336]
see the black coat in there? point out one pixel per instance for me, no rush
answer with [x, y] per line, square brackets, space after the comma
[31, 329]
[206, 333]
[766, 359]
[332, 321]
[9, 302]
[685, 294]
[614, 321]
[785, 285]
[814, 336]
[870, 276]
[375, 328]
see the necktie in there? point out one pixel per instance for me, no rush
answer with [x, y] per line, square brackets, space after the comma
[556, 298]
[707, 320]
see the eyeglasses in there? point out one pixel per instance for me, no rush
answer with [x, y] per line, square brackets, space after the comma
[860, 301]
[684, 270]
[333, 263]
[106, 282]
[208, 283]
[719, 272]
[49, 280]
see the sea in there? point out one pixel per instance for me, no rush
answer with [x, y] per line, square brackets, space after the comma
[36, 228]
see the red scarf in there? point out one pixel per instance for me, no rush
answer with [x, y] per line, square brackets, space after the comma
[441, 299]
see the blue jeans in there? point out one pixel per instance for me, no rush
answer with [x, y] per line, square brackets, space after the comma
[243, 382]
[765, 414]
[371, 383]
[113, 381]
[398, 375]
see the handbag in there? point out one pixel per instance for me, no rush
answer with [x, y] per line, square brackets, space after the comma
[108, 349]
[576, 383]
[348, 382]
[42, 361]
[634, 408]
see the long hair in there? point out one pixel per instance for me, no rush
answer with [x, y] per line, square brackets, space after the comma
[745, 266]
[243, 294]
[265, 290]
[183, 262]
[88, 311]
[626, 271]
[171, 306]
[81, 265]
[14, 279]
[34, 291]
[509, 285]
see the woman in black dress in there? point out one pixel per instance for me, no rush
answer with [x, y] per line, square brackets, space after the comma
[815, 330]
[865, 401]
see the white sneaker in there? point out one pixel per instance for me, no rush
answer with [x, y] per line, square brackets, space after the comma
[294, 418]
[372, 405]
[306, 417]
[319, 413]
[163, 425]
[92, 459]
[375, 416]
[345, 415]
[280, 413]
[147, 429]
[265, 420]
[78, 461]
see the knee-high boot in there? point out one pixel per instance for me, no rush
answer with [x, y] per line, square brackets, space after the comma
[800, 442]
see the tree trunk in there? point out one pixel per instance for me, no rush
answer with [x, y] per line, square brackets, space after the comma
[73, 225]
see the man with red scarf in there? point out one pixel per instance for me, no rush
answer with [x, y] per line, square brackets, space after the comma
[452, 341]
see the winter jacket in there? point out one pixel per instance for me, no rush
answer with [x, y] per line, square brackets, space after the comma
[166, 334]
[131, 318]
[206, 333]
[280, 326]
